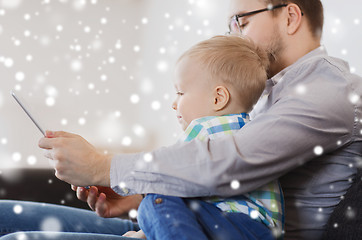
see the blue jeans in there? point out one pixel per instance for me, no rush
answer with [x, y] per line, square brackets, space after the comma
[164, 217]
[32, 219]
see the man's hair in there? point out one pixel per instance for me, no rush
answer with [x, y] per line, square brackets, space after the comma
[235, 61]
[312, 10]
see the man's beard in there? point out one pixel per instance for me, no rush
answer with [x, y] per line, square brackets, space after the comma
[274, 50]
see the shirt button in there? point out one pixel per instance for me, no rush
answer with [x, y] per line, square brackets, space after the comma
[158, 200]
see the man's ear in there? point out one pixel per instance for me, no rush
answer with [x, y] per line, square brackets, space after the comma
[294, 18]
[221, 98]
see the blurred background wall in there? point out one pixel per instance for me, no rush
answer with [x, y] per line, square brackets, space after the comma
[104, 68]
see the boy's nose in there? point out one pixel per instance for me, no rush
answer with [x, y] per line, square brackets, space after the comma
[174, 105]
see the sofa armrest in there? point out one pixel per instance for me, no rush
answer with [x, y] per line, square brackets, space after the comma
[38, 185]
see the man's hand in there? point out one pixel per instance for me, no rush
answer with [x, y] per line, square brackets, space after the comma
[105, 202]
[76, 161]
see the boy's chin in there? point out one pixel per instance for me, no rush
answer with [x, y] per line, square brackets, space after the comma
[184, 125]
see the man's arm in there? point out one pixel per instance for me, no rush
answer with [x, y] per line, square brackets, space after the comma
[283, 138]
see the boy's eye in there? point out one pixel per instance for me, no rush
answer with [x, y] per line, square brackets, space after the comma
[179, 93]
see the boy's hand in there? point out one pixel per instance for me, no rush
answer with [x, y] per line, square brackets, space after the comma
[76, 161]
[105, 202]
[134, 234]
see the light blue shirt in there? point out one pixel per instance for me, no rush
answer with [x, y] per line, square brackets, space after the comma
[306, 130]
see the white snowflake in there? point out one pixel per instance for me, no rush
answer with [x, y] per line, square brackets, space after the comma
[27, 33]
[133, 213]
[117, 114]
[79, 4]
[147, 86]
[118, 44]
[254, 214]
[50, 101]
[31, 160]
[354, 98]
[194, 205]
[126, 141]
[104, 78]
[138, 130]
[8, 62]
[18, 209]
[235, 184]
[122, 184]
[29, 58]
[144, 20]
[11, 4]
[51, 224]
[350, 213]
[91, 86]
[87, 29]
[148, 157]
[21, 236]
[59, 28]
[111, 59]
[162, 66]
[4, 141]
[16, 156]
[301, 89]
[76, 65]
[104, 21]
[136, 48]
[156, 105]
[318, 150]
[81, 121]
[134, 98]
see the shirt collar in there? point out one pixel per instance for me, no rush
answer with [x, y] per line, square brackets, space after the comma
[318, 52]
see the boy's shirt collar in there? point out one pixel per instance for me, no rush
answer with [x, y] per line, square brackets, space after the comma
[213, 126]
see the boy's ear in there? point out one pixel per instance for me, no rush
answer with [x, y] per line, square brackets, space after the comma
[221, 98]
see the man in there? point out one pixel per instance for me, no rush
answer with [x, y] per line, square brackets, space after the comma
[306, 131]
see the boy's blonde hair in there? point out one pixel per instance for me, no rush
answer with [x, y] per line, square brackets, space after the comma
[235, 61]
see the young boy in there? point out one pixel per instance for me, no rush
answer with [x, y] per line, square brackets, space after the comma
[217, 82]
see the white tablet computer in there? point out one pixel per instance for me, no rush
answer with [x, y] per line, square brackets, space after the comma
[18, 100]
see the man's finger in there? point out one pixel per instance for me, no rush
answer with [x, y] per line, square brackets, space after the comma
[55, 134]
[48, 154]
[46, 143]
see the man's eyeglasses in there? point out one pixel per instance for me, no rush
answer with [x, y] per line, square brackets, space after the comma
[235, 25]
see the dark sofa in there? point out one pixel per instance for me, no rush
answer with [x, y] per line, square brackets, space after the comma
[39, 185]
